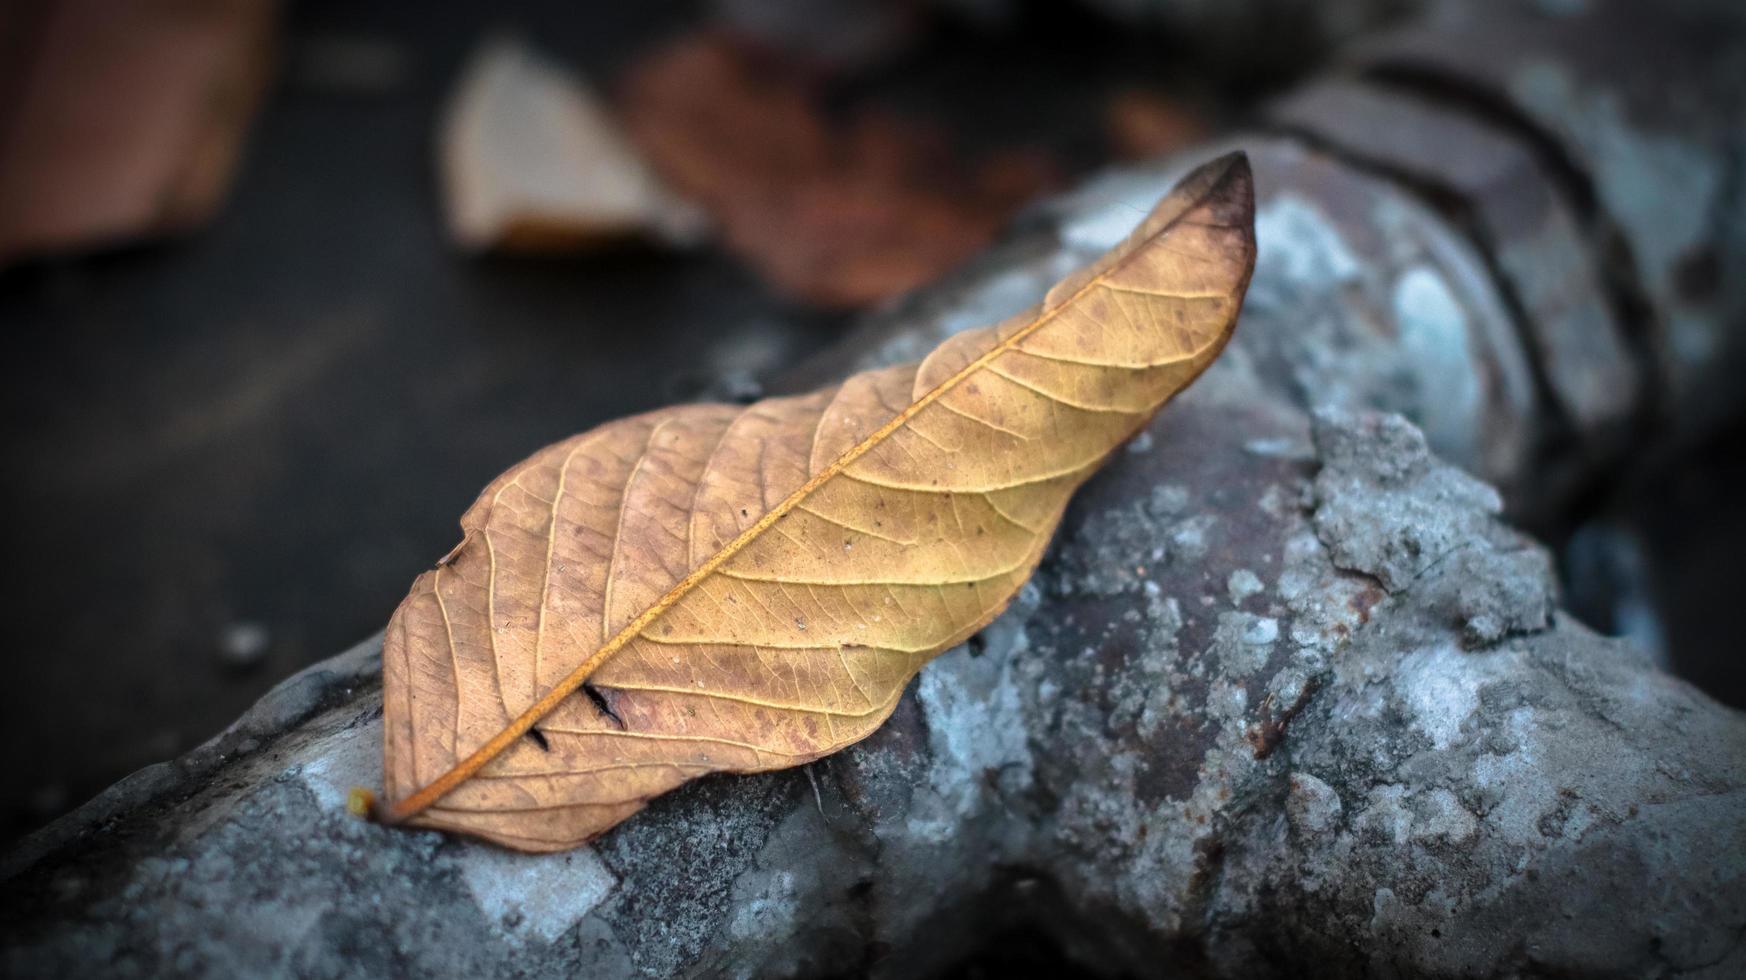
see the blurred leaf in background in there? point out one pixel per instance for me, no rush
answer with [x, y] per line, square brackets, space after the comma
[124, 121]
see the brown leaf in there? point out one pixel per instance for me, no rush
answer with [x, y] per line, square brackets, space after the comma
[750, 588]
[123, 121]
[835, 213]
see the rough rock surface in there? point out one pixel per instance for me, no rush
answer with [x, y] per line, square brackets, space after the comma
[1236, 750]
[1639, 108]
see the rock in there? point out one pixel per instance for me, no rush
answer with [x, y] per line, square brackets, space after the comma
[1512, 203]
[1311, 806]
[1609, 586]
[1376, 498]
[1589, 85]
[1377, 507]
[1130, 764]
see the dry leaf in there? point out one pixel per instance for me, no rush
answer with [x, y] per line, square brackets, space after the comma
[123, 121]
[837, 213]
[532, 162]
[750, 588]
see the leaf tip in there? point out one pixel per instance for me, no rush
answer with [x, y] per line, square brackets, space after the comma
[1230, 182]
[1235, 162]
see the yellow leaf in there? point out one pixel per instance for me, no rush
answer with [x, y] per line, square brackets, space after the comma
[749, 588]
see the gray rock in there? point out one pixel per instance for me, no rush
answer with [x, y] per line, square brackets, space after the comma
[1640, 107]
[1130, 763]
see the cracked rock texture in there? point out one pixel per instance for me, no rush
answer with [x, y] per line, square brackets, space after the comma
[1640, 108]
[1285, 693]
[1150, 765]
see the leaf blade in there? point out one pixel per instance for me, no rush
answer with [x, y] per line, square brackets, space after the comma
[783, 644]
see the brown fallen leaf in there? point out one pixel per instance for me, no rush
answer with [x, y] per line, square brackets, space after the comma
[120, 122]
[750, 588]
[836, 212]
[532, 162]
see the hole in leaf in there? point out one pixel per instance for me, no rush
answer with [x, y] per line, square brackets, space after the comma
[600, 703]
